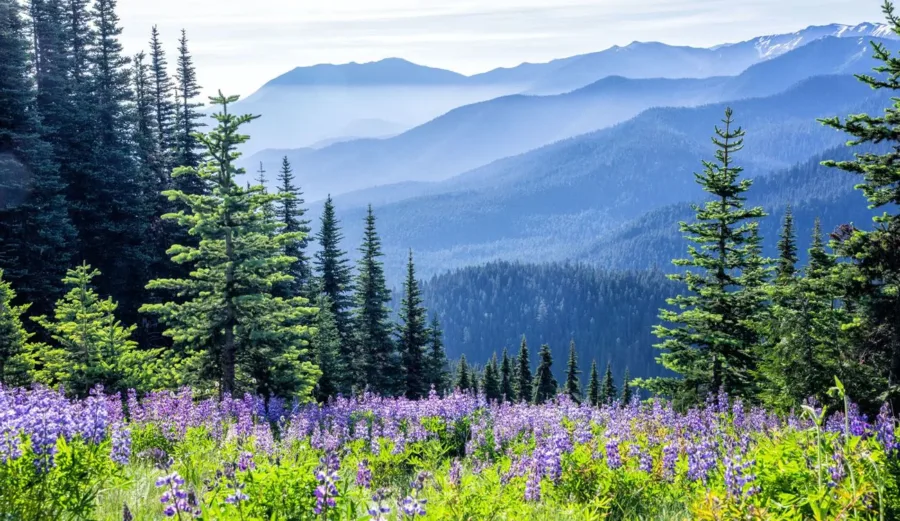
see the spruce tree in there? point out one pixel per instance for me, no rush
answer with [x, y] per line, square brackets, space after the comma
[523, 382]
[268, 209]
[326, 344]
[36, 233]
[333, 272]
[90, 345]
[492, 380]
[544, 383]
[708, 342]
[463, 380]
[594, 386]
[874, 275]
[13, 337]
[608, 386]
[290, 213]
[377, 364]
[226, 320]
[413, 335]
[164, 107]
[475, 381]
[507, 391]
[626, 388]
[787, 248]
[188, 118]
[573, 387]
[436, 359]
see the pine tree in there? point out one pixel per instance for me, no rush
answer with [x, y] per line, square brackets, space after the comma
[523, 382]
[377, 363]
[226, 321]
[874, 275]
[544, 383]
[162, 92]
[820, 262]
[463, 381]
[36, 232]
[787, 246]
[626, 388]
[436, 359]
[326, 344]
[573, 387]
[268, 209]
[13, 336]
[91, 346]
[187, 114]
[608, 387]
[475, 380]
[413, 335]
[290, 212]
[334, 274]
[594, 386]
[708, 344]
[492, 380]
[507, 390]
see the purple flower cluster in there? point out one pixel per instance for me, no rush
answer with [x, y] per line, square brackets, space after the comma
[176, 501]
[327, 476]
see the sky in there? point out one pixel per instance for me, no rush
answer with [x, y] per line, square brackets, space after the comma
[238, 45]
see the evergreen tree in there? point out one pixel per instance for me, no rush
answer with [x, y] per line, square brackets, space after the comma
[787, 247]
[874, 275]
[187, 114]
[90, 345]
[492, 380]
[523, 383]
[268, 209]
[820, 261]
[162, 91]
[290, 212]
[436, 359]
[544, 383]
[13, 337]
[573, 386]
[507, 390]
[326, 344]
[626, 388]
[36, 231]
[475, 380]
[226, 321]
[608, 387]
[413, 335]
[708, 345]
[334, 276]
[594, 386]
[376, 362]
[463, 381]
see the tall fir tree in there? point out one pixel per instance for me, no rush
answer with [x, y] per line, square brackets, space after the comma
[290, 213]
[333, 272]
[436, 359]
[507, 391]
[326, 344]
[13, 337]
[413, 335]
[377, 364]
[626, 389]
[188, 117]
[463, 378]
[820, 261]
[544, 382]
[573, 386]
[491, 386]
[36, 232]
[787, 248]
[226, 321]
[268, 209]
[593, 394]
[875, 271]
[523, 381]
[707, 344]
[162, 91]
[608, 386]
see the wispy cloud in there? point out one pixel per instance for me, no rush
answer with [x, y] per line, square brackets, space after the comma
[239, 45]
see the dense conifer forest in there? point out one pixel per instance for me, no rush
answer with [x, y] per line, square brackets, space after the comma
[137, 257]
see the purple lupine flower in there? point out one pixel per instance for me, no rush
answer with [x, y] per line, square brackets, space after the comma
[836, 470]
[327, 476]
[380, 510]
[738, 478]
[245, 462]
[669, 460]
[455, 473]
[176, 501]
[613, 459]
[533, 486]
[884, 428]
[364, 474]
[120, 441]
[645, 462]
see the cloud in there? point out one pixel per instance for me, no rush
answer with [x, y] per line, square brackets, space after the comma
[240, 45]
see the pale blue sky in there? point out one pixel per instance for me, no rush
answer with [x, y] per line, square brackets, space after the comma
[241, 44]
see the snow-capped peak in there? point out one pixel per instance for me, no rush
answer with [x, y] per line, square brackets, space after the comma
[776, 45]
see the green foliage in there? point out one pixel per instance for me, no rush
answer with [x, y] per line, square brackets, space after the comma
[626, 389]
[544, 383]
[507, 391]
[326, 344]
[608, 387]
[593, 394]
[491, 387]
[227, 323]
[334, 275]
[787, 248]
[573, 387]
[290, 213]
[13, 337]
[523, 380]
[463, 378]
[413, 336]
[90, 346]
[187, 114]
[711, 342]
[436, 358]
